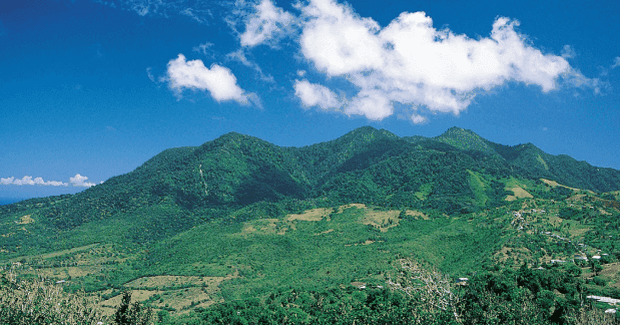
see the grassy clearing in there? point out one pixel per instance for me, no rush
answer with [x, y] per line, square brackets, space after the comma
[24, 220]
[424, 191]
[352, 205]
[555, 184]
[264, 226]
[519, 193]
[612, 271]
[184, 299]
[163, 281]
[66, 251]
[68, 272]
[517, 187]
[542, 162]
[381, 219]
[555, 221]
[478, 186]
[578, 230]
[367, 242]
[311, 215]
[182, 293]
[417, 214]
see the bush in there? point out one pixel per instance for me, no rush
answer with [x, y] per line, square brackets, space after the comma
[600, 280]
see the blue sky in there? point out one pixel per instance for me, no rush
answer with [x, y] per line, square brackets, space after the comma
[91, 89]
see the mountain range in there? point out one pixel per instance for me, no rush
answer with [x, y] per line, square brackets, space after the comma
[258, 216]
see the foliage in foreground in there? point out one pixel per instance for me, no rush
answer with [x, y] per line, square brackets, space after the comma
[412, 296]
[39, 302]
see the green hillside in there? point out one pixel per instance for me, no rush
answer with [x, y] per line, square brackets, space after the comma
[195, 229]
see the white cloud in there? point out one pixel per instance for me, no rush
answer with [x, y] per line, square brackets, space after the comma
[27, 180]
[265, 23]
[339, 42]
[149, 73]
[316, 95]
[616, 62]
[240, 56]
[6, 181]
[202, 48]
[81, 181]
[218, 80]
[371, 103]
[418, 119]
[189, 12]
[411, 63]
[197, 10]
[77, 180]
[568, 52]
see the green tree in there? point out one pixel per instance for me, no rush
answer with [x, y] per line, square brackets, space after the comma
[596, 267]
[128, 314]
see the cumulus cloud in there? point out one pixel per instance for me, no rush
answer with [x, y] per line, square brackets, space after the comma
[316, 95]
[616, 62]
[418, 119]
[80, 181]
[218, 80]
[28, 180]
[77, 180]
[266, 22]
[412, 63]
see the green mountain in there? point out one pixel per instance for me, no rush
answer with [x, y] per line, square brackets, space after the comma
[456, 172]
[239, 217]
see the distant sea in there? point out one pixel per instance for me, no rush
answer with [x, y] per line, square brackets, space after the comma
[9, 200]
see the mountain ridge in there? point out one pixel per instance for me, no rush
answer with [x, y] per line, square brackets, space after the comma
[455, 172]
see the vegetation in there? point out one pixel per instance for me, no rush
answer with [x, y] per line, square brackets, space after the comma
[367, 228]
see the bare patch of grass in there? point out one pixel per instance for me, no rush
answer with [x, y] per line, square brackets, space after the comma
[65, 272]
[352, 205]
[324, 232]
[519, 193]
[381, 219]
[366, 242]
[612, 271]
[163, 281]
[264, 226]
[311, 215]
[555, 184]
[417, 214]
[24, 220]
[67, 251]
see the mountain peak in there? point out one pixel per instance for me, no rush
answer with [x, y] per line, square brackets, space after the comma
[369, 132]
[465, 139]
[456, 131]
